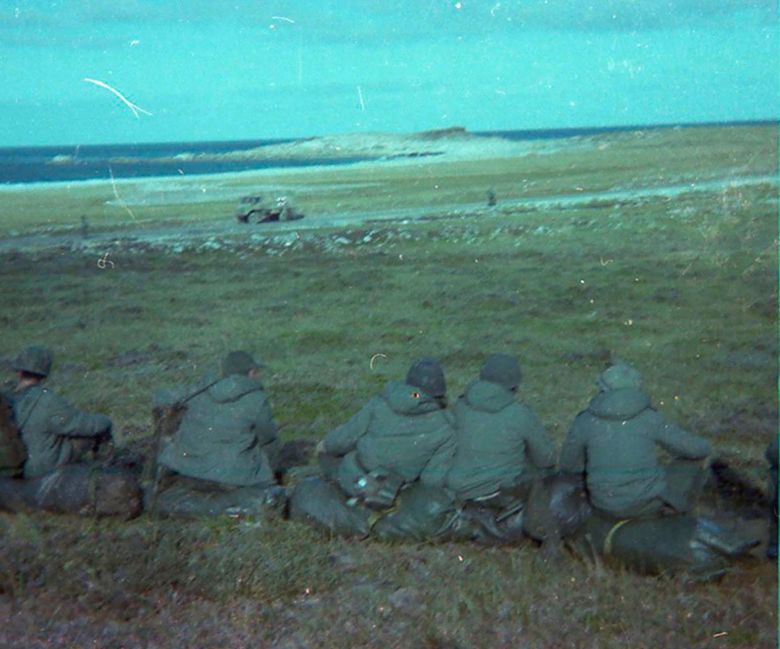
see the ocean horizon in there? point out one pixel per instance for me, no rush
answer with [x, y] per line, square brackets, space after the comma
[62, 163]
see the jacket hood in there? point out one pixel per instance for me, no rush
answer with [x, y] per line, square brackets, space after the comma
[233, 387]
[488, 396]
[408, 399]
[624, 403]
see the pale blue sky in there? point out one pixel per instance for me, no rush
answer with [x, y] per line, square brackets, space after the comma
[251, 69]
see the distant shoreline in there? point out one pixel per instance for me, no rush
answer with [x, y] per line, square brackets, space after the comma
[537, 133]
[20, 166]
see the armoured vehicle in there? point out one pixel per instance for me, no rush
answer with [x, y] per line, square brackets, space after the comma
[253, 209]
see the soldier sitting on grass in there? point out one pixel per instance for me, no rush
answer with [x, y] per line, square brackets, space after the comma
[501, 448]
[397, 447]
[226, 444]
[51, 445]
[614, 443]
[54, 432]
[400, 436]
[642, 508]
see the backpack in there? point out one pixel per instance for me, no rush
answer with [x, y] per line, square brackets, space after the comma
[166, 420]
[13, 453]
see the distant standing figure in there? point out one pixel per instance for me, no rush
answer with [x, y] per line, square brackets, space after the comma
[53, 431]
[281, 204]
[491, 198]
[614, 444]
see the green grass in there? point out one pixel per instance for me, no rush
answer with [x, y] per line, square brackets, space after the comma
[685, 289]
[611, 161]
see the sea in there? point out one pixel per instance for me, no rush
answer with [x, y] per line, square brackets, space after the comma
[19, 165]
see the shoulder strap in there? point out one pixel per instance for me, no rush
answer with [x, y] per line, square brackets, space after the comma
[181, 402]
[21, 425]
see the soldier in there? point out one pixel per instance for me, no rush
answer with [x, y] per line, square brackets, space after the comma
[400, 436]
[501, 449]
[613, 444]
[394, 451]
[501, 444]
[227, 435]
[53, 431]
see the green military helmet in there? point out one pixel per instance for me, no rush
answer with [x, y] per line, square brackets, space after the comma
[619, 375]
[239, 362]
[427, 375]
[502, 369]
[34, 360]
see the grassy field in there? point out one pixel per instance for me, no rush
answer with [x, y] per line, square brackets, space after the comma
[623, 161]
[684, 288]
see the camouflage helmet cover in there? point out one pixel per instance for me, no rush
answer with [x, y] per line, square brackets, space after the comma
[34, 360]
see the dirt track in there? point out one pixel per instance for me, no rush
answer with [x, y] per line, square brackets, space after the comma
[188, 236]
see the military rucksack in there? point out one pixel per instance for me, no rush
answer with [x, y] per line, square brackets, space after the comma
[13, 453]
[166, 419]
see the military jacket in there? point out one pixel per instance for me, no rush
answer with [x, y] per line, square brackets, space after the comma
[48, 425]
[615, 444]
[500, 442]
[227, 434]
[402, 431]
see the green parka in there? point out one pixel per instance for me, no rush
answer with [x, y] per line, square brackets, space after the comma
[48, 425]
[227, 434]
[499, 441]
[403, 431]
[614, 443]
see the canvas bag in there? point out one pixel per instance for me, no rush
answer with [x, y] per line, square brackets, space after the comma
[13, 453]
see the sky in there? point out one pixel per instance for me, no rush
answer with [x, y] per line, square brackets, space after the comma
[264, 69]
